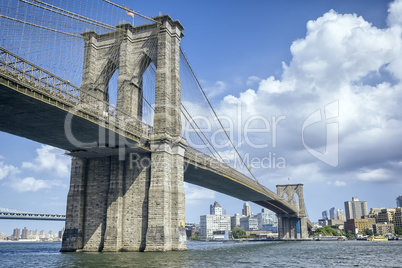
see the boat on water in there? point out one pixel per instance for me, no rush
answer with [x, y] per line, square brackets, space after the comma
[377, 238]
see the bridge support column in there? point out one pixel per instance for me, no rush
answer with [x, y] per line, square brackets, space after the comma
[107, 205]
[135, 204]
[292, 227]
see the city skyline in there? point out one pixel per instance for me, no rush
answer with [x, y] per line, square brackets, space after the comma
[273, 58]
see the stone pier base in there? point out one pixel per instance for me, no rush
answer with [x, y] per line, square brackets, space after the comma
[114, 205]
[292, 228]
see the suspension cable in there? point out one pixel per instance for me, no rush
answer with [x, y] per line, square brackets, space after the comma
[42, 27]
[74, 14]
[69, 16]
[220, 123]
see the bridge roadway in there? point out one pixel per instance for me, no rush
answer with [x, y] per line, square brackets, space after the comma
[35, 105]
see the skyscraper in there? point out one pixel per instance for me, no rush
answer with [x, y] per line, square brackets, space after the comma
[325, 215]
[399, 201]
[246, 209]
[355, 209]
[24, 234]
[16, 233]
[215, 209]
[332, 213]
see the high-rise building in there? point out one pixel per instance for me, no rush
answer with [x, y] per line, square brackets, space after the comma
[214, 222]
[399, 201]
[246, 209]
[215, 209]
[325, 215]
[16, 233]
[332, 213]
[355, 209]
[24, 234]
[340, 215]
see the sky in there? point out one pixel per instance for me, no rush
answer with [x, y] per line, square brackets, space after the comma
[326, 74]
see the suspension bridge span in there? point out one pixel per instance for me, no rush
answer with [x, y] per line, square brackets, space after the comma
[130, 158]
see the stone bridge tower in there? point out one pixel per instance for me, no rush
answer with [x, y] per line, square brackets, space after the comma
[126, 205]
[292, 226]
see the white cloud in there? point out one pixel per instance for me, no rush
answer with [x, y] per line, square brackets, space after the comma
[7, 170]
[217, 89]
[340, 183]
[50, 159]
[195, 194]
[31, 184]
[377, 175]
[251, 80]
[343, 57]
[395, 13]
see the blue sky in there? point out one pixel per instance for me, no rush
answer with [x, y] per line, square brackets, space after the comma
[286, 58]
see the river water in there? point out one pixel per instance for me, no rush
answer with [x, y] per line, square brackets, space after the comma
[215, 254]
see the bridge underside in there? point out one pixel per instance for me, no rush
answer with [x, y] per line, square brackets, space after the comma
[43, 119]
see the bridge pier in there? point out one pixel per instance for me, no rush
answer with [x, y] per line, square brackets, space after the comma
[292, 226]
[132, 205]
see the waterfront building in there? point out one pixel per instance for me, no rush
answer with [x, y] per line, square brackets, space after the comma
[386, 215]
[399, 201]
[359, 224]
[325, 215]
[24, 234]
[246, 210]
[398, 217]
[355, 209]
[16, 233]
[383, 228]
[249, 223]
[268, 219]
[214, 222]
[235, 220]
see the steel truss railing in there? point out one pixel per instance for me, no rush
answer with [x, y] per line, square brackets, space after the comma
[63, 90]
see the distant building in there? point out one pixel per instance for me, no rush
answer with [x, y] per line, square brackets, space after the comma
[399, 201]
[325, 215]
[359, 224]
[340, 215]
[214, 222]
[355, 209]
[235, 220]
[332, 213]
[398, 217]
[246, 209]
[16, 233]
[249, 223]
[267, 221]
[24, 234]
[386, 215]
[383, 228]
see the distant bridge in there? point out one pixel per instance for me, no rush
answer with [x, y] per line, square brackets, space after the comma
[7, 214]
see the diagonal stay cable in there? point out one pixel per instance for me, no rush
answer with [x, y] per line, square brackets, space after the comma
[199, 129]
[190, 125]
